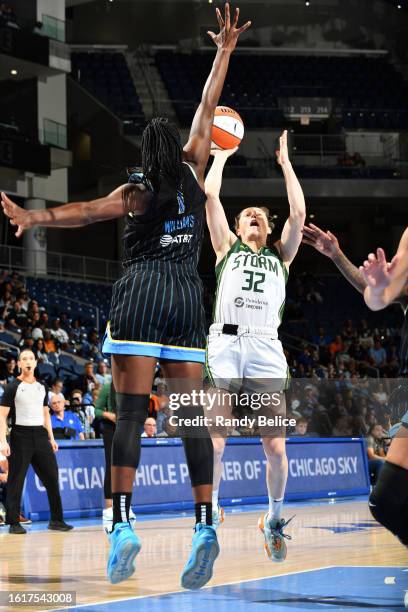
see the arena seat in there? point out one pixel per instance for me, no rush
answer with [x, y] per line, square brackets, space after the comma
[255, 83]
[107, 76]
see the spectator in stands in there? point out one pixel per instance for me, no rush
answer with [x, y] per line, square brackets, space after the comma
[37, 331]
[76, 398]
[59, 334]
[305, 358]
[24, 300]
[56, 389]
[320, 424]
[149, 428]
[16, 317]
[44, 321]
[321, 339]
[40, 352]
[300, 428]
[378, 355]
[89, 380]
[371, 418]
[77, 405]
[336, 346]
[375, 451]
[358, 426]
[27, 341]
[342, 427]
[102, 375]
[91, 346]
[65, 424]
[366, 338]
[49, 342]
[381, 396]
[9, 372]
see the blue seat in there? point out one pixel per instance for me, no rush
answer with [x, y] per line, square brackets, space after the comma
[46, 372]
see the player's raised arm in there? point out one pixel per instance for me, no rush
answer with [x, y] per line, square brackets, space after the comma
[327, 244]
[292, 230]
[221, 236]
[197, 149]
[125, 199]
[385, 281]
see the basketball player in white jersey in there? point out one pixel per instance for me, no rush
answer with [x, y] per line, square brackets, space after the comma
[243, 340]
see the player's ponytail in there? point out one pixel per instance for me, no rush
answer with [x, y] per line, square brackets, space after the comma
[162, 153]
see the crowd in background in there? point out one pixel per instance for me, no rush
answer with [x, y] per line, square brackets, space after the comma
[24, 319]
[341, 382]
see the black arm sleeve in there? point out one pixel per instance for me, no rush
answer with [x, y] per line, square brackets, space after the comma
[45, 403]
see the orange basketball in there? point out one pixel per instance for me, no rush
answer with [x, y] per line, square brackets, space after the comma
[227, 130]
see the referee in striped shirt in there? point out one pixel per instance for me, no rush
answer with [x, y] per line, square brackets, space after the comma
[31, 442]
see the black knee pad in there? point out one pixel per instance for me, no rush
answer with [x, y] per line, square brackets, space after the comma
[198, 446]
[131, 407]
[132, 411]
[388, 501]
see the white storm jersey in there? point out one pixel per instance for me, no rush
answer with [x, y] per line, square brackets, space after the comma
[251, 287]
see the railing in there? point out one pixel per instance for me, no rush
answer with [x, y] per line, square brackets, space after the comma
[59, 265]
[11, 348]
[53, 28]
[54, 133]
[368, 145]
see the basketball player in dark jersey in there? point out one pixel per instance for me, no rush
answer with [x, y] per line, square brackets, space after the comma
[156, 311]
[381, 283]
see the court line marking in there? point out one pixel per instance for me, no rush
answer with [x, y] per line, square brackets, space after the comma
[214, 586]
[293, 573]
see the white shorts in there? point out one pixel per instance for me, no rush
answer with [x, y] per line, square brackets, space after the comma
[234, 359]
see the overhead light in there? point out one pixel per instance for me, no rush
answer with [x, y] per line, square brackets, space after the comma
[210, 1]
[13, 72]
[307, 3]
[311, 216]
[399, 6]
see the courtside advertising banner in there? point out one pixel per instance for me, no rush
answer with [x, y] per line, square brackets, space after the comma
[317, 468]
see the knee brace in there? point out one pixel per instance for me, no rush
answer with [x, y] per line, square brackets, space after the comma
[132, 411]
[198, 446]
[388, 501]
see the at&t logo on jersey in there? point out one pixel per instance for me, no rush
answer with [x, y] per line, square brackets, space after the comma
[166, 240]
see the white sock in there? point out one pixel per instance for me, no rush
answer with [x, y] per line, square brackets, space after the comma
[215, 499]
[275, 508]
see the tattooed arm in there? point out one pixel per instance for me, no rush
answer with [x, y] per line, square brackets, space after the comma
[128, 198]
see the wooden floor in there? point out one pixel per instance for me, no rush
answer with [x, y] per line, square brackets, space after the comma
[340, 534]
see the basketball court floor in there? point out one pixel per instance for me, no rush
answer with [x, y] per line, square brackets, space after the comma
[339, 558]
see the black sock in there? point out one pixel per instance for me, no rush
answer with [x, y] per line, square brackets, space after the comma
[203, 512]
[121, 507]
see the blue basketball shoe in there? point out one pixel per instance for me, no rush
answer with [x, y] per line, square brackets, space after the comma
[124, 546]
[205, 549]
